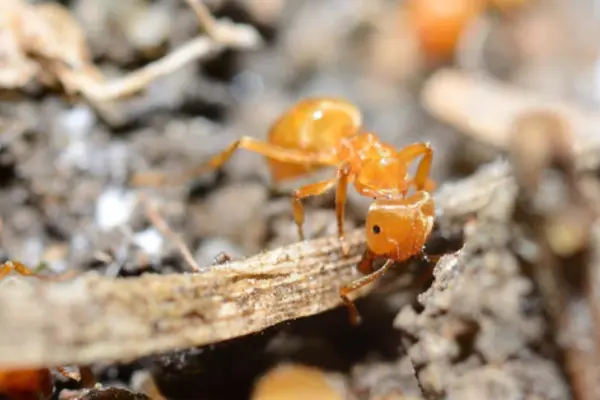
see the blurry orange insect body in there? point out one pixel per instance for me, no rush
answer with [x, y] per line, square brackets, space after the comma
[26, 384]
[30, 384]
[311, 126]
[439, 24]
[326, 132]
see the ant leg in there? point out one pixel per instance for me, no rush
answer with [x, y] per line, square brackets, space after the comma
[410, 153]
[21, 269]
[357, 284]
[314, 189]
[266, 149]
[341, 195]
[245, 142]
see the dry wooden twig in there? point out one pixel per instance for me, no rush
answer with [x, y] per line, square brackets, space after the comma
[98, 318]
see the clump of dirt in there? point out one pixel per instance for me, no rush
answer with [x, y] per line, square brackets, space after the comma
[482, 333]
[508, 314]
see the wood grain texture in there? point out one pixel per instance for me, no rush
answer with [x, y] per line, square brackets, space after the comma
[97, 318]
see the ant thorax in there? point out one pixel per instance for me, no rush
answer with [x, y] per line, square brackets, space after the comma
[382, 177]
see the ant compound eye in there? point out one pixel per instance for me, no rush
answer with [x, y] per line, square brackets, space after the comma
[376, 229]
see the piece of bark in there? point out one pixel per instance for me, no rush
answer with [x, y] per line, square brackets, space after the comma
[96, 318]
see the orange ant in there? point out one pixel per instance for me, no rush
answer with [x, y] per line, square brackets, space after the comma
[326, 132]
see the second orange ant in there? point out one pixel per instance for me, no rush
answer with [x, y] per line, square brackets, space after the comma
[326, 132]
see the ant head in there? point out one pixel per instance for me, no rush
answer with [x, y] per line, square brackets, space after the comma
[398, 228]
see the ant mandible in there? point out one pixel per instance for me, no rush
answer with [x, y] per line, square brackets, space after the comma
[326, 131]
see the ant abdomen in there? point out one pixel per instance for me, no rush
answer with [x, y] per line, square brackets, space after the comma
[315, 125]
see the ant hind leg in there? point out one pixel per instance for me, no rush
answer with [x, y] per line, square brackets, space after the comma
[251, 144]
[266, 149]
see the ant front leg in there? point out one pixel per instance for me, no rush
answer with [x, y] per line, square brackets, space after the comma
[314, 189]
[357, 284]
